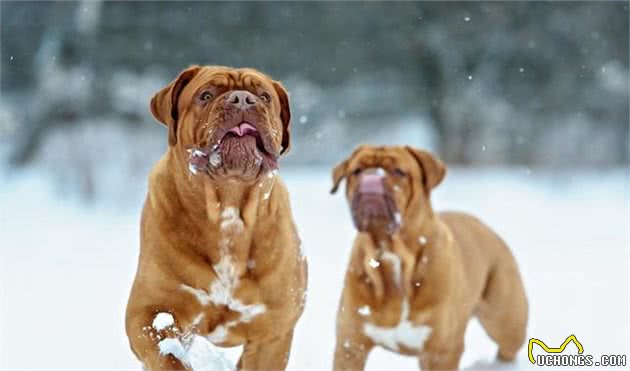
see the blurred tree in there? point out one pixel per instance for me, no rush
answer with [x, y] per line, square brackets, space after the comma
[518, 82]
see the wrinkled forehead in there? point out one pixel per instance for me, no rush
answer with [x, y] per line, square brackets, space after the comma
[386, 157]
[230, 79]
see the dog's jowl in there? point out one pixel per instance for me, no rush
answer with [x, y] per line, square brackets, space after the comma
[220, 262]
[416, 277]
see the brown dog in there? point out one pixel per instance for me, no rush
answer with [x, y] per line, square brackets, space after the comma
[220, 262]
[415, 278]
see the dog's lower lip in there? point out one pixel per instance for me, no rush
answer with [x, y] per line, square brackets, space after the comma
[263, 142]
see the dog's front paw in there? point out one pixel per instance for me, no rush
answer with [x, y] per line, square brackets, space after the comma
[192, 350]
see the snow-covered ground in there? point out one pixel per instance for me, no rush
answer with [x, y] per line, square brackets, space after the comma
[66, 268]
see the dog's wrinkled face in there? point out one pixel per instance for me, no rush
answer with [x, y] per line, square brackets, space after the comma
[384, 183]
[229, 123]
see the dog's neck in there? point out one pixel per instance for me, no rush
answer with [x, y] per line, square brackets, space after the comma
[229, 207]
[217, 194]
[419, 229]
[411, 244]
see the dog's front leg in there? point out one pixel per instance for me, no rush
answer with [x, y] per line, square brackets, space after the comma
[443, 360]
[145, 339]
[351, 353]
[268, 355]
[442, 356]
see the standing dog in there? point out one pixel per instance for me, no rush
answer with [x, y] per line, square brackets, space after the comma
[416, 277]
[220, 261]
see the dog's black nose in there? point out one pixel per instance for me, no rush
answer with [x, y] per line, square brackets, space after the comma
[241, 99]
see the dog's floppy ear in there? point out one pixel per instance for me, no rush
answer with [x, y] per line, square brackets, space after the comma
[285, 116]
[433, 169]
[339, 172]
[164, 102]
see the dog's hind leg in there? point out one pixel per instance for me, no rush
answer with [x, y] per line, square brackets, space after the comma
[503, 309]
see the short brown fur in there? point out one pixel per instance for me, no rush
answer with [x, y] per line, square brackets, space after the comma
[453, 267]
[181, 232]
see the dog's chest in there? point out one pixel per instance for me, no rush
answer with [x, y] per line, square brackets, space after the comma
[225, 297]
[403, 335]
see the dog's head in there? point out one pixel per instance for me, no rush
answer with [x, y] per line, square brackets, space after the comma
[384, 184]
[227, 122]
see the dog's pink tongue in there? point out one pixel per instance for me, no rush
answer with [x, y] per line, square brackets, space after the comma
[242, 129]
[372, 183]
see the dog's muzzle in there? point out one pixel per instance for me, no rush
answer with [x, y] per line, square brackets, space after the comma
[373, 207]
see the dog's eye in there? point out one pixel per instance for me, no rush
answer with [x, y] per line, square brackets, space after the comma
[356, 171]
[205, 96]
[399, 172]
[265, 97]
